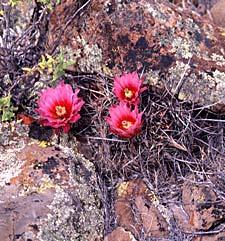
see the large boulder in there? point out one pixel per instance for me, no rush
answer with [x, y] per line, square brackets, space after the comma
[46, 193]
[174, 47]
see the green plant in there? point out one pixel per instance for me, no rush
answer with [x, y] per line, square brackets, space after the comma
[60, 65]
[51, 66]
[14, 2]
[47, 63]
[6, 110]
[49, 3]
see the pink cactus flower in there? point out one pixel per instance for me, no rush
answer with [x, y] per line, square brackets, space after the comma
[124, 121]
[59, 107]
[127, 88]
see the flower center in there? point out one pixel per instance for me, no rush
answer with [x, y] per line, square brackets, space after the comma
[126, 124]
[128, 93]
[60, 110]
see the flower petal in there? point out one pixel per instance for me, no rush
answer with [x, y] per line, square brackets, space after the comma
[63, 98]
[128, 82]
[121, 113]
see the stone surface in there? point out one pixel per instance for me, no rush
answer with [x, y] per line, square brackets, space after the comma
[202, 205]
[217, 12]
[138, 210]
[120, 234]
[213, 237]
[173, 46]
[46, 193]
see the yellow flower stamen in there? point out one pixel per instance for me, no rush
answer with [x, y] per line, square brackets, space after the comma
[126, 124]
[60, 110]
[128, 93]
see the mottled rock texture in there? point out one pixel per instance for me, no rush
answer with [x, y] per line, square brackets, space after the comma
[140, 212]
[46, 193]
[174, 47]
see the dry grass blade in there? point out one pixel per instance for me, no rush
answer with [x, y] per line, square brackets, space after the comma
[174, 143]
[177, 145]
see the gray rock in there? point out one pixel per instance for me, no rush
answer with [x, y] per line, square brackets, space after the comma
[47, 193]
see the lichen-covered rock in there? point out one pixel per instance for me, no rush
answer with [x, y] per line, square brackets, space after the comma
[46, 193]
[173, 46]
[138, 210]
[203, 206]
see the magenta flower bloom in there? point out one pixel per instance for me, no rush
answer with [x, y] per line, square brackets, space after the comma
[59, 107]
[127, 88]
[123, 121]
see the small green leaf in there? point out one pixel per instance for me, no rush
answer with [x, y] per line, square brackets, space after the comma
[7, 115]
[60, 65]
[14, 2]
[50, 3]
[5, 101]
[6, 111]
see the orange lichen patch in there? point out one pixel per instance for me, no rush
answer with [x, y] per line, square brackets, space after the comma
[28, 175]
[127, 189]
[38, 162]
[145, 216]
[192, 217]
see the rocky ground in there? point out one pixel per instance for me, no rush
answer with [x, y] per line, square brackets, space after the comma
[168, 182]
